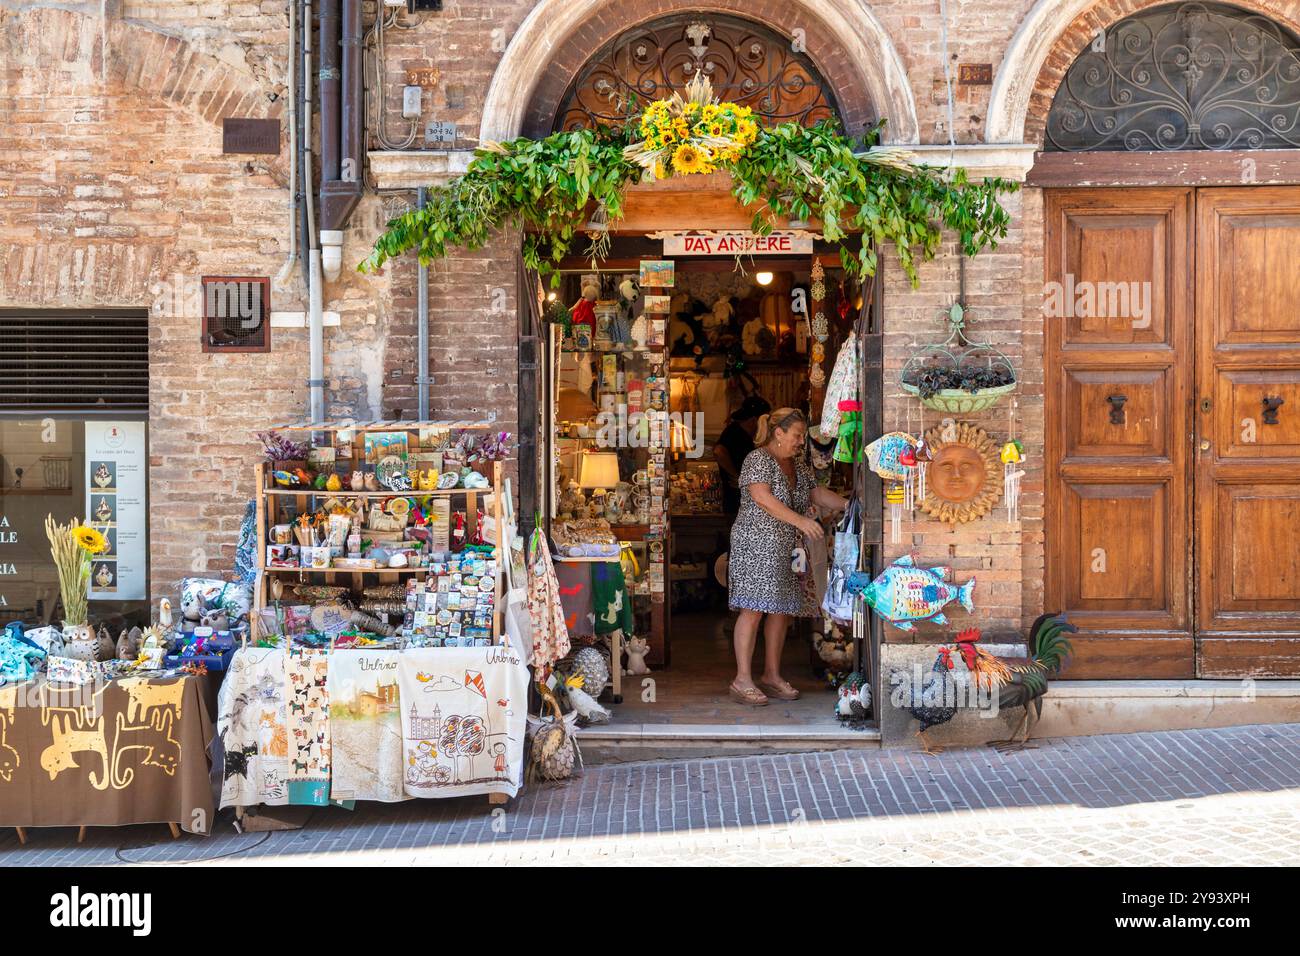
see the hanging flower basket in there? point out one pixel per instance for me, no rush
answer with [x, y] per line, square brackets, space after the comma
[958, 376]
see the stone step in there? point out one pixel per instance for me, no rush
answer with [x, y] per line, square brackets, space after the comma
[614, 743]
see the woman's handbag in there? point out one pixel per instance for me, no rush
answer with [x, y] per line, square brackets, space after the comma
[838, 602]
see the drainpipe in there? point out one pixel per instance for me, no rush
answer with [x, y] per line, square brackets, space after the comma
[303, 195]
[422, 323]
[294, 199]
[315, 281]
[341, 183]
[329, 91]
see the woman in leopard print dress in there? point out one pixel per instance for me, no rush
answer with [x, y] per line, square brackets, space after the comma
[776, 490]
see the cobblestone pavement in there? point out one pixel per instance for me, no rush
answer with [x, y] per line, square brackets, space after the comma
[1184, 797]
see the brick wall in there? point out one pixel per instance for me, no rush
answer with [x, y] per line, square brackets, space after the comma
[115, 191]
[1005, 557]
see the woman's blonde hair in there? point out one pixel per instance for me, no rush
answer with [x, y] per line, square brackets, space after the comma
[782, 418]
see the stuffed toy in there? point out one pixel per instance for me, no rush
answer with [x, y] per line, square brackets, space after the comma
[584, 310]
[620, 324]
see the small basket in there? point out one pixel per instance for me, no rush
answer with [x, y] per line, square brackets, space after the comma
[958, 352]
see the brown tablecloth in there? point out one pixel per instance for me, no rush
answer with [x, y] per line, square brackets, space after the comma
[130, 751]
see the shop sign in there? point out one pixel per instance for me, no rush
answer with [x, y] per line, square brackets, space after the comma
[116, 480]
[738, 244]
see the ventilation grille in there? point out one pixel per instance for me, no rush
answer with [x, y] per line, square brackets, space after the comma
[236, 314]
[63, 360]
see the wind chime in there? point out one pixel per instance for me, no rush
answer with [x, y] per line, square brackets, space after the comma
[820, 328]
[1012, 454]
[892, 456]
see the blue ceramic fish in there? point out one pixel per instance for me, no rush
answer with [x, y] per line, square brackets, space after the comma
[905, 593]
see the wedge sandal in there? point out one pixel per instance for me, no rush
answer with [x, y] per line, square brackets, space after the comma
[749, 696]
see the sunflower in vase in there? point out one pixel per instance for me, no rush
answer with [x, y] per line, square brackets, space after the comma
[694, 134]
[72, 546]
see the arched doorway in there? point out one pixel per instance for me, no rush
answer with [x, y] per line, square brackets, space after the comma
[1173, 348]
[781, 78]
[848, 44]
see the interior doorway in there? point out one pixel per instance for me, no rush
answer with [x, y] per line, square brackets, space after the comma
[731, 336]
[1173, 439]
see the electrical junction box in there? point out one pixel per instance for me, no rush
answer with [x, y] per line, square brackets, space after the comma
[411, 102]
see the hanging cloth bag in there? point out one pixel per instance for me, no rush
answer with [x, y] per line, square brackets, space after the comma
[842, 387]
[838, 602]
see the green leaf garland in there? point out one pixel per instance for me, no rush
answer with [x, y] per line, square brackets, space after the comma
[816, 174]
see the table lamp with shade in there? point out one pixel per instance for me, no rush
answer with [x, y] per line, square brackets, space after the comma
[597, 471]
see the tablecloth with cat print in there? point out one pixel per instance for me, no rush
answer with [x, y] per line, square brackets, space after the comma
[132, 750]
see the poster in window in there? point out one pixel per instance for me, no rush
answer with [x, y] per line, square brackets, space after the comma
[116, 489]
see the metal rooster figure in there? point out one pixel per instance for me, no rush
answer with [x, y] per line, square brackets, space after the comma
[1019, 681]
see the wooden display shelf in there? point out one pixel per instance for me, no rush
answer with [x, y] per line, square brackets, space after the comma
[400, 426]
[323, 493]
[414, 570]
[269, 496]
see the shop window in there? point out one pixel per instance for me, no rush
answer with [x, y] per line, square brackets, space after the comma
[1182, 76]
[746, 62]
[74, 393]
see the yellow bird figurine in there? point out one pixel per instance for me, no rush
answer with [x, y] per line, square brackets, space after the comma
[334, 483]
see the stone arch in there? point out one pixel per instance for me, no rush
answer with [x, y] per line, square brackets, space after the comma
[848, 44]
[1051, 35]
[84, 50]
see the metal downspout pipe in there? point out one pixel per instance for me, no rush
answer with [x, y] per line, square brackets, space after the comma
[315, 279]
[422, 327]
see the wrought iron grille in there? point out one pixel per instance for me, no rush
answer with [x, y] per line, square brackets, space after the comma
[1183, 76]
[747, 64]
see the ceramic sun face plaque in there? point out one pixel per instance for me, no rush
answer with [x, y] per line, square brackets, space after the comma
[963, 480]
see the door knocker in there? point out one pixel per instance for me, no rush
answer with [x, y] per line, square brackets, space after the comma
[1117, 408]
[1271, 404]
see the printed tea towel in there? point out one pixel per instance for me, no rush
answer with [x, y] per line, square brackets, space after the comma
[550, 632]
[254, 730]
[365, 726]
[309, 727]
[463, 718]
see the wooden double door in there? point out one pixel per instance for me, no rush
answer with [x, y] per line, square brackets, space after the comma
[1172, 377]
